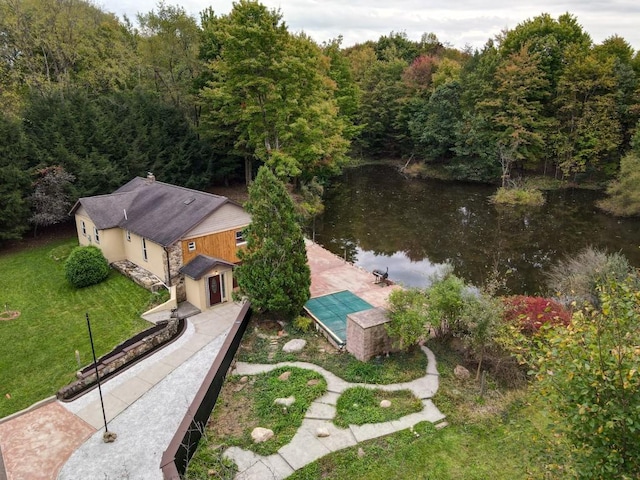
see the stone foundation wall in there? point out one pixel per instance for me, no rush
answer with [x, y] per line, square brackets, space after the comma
[139, 275]
[175, 263]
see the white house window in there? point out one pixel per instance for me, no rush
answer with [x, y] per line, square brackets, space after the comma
[192, 246]
[144, 250]
[240, 238]
[128, 236]
[96, 234]
[84, 229]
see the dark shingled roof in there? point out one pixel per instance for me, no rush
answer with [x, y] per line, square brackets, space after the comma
[201, 264]
[155, 210]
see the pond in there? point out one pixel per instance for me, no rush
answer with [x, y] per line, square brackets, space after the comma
[378, 219]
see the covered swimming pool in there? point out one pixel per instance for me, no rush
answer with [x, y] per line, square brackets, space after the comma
[330, 313]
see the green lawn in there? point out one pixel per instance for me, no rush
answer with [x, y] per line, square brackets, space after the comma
[492, 449]
[37, 350]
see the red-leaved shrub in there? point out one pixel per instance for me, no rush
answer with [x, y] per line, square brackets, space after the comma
[530, 313]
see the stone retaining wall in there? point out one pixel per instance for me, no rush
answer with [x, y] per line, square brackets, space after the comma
[118, 358]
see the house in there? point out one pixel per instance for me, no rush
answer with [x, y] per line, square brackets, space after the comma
[167, 234]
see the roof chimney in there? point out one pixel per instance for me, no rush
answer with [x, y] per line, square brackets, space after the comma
[150, 177]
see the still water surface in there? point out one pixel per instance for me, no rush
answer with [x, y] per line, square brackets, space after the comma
[378, 219]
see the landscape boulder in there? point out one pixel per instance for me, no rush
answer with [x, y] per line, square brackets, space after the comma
[461, 372]
[294, 345]
[283, 377]
[260, 435]
[285, 402]
[322, 432]
[385, 403]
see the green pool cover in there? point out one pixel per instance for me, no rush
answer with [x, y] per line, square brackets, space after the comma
[332, 310]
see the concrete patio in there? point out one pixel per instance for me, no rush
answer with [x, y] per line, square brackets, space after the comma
[330, 274]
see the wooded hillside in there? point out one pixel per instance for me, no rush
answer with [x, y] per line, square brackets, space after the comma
[198, 101]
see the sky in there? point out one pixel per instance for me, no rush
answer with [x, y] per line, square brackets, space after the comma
[457, 23]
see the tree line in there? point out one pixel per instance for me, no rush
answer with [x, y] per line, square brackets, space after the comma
[198, 101]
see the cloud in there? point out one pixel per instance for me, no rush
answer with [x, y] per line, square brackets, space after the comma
[458, 23]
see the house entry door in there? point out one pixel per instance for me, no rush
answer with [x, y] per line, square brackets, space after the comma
[215, 293]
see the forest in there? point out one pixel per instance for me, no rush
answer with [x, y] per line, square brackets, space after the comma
[90, 100]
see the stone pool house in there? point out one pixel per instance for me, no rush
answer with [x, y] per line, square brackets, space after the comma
[162, 234]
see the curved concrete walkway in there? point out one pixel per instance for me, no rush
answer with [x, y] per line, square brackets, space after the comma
[306, 447]
[146, 404]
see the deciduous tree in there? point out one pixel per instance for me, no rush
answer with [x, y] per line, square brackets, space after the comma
[589, 374]
[168, 46]
[273, 89]
[50, 198]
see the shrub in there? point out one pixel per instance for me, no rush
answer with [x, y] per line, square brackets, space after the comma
[302, 323]
[588, 374]
[576, 278]
[86, 266]
[529, 314]
[407, 314]
[445, 300]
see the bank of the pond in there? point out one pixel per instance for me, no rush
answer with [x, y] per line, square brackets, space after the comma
[379, 218]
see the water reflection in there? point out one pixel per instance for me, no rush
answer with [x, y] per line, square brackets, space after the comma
[377, 218]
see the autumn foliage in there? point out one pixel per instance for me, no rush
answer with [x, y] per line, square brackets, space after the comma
[530, 313]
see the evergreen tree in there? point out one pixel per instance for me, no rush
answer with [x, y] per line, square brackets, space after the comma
[274, 274]
[14, 180]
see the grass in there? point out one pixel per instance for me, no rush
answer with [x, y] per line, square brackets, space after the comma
[500, 450]
[518, 196]
[359, 405]
[209, 463]
[246, 405]
[503, 435]
[37, 355]
[396, 368]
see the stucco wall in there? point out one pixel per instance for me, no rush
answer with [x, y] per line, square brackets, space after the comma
[197, 291]
[111, 240]
[155, 262]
